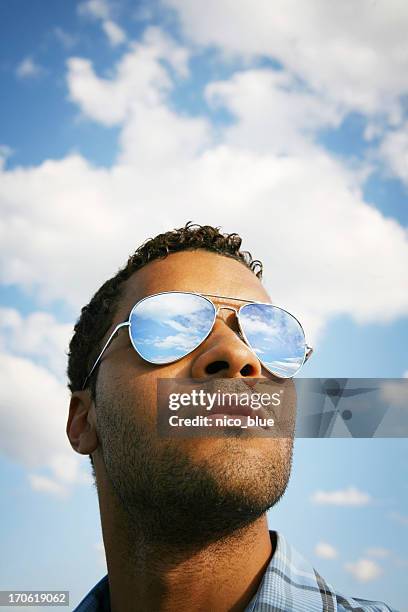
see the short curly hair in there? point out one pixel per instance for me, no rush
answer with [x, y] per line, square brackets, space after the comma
[97, 316]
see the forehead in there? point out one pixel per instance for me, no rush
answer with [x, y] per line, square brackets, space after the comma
[199, 271]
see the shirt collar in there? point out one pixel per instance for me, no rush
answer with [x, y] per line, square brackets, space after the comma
[291, 583]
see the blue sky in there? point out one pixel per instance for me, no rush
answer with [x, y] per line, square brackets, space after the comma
[288, 125]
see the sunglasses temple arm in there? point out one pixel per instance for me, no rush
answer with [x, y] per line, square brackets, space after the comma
[124, 324]
[309, 352]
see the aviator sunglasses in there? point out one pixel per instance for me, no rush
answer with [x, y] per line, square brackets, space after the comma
[165, 327]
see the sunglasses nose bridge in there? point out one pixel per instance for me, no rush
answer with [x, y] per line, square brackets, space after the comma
[218, 308]
[236, 310]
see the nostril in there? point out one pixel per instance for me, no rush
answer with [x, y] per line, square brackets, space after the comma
[247, 370]
[216, 366]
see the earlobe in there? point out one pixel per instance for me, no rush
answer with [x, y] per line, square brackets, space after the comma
[81, 426]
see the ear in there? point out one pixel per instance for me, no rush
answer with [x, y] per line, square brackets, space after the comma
[81, 425]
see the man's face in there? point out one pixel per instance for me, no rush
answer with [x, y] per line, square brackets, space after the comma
[191, 488]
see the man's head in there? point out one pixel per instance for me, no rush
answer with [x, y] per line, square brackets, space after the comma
[189, 490]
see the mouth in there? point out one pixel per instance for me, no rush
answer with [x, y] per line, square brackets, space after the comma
[218, 407]
[232, 409]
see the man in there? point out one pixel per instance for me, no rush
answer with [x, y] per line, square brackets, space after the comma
[184, 520]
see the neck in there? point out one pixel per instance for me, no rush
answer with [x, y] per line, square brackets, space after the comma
[146, 575]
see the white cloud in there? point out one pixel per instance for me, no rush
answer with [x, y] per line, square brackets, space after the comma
[394, 152]
[66, 39]
[405, 374]
[273, 112]
[28, 69]
[357, 57]
[346, 497]
[38, 336]
[364, 570]
[33, 412]
[115, 34]
[139, 85]
[33, 405]
[385, 553]
[65, 467]
[101, 10]
[96, 9]
[34, 400]
[47, 485]
[344, 63]
[186, 341]
[325, 550]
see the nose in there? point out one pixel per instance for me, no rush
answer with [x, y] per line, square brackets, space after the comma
[225, 354]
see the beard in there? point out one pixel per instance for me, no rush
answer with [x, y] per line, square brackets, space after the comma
[179, 498]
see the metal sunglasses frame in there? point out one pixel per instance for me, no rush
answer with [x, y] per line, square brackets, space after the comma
[206, 296]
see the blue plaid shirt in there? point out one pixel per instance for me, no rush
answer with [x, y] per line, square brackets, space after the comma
[290, 584]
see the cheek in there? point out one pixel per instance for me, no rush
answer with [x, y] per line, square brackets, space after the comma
[128, 386]
[139, 398]
[178, 369]
[129, 392]
[140, 388]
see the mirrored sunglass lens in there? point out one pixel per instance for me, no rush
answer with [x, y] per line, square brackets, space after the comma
[168, 326]
[276, 337]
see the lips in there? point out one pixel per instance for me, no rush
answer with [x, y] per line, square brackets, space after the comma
[233, 410]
